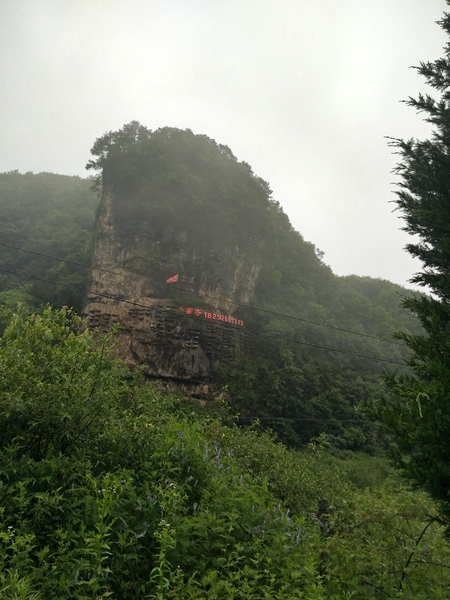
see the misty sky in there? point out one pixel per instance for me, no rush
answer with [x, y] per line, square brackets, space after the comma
[305, 91]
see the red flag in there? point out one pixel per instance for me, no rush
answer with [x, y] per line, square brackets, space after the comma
[173, 279]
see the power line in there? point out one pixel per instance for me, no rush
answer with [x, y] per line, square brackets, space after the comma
[272, 312]
[263, 310]
[252, 331]
[243, 417]
[329, 348]
[71, 262]
[78, 289]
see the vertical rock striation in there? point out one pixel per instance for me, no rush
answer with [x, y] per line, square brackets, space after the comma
[158, 330]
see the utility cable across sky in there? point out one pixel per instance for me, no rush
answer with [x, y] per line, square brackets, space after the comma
[215, 323]
[248, 306]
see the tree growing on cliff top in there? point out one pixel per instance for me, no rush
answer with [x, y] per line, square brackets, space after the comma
[169, 182]
[417, 412]
[171, 178]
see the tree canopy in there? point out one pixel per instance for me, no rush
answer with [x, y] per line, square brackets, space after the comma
[45, 214]
[173, 179]
[417, 412]
[110, 487]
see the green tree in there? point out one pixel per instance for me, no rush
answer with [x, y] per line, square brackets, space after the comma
[417, 411]
[170, 185]
[110, 487]
[44, 214]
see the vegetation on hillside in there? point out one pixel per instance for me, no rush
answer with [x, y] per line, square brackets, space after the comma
[110, 488]
[49, 214]
[295, 388]
[416, 411]
[173, 180]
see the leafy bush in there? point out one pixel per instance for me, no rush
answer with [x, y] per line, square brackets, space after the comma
[107, 489]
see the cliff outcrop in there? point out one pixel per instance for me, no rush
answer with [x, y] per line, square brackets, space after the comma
[176, 332]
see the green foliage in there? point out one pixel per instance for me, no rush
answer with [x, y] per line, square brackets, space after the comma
[134, 499]
[53, 384]
[171, 180]
[319, 390]
[392, 532]
[416, 411]
[50, 214]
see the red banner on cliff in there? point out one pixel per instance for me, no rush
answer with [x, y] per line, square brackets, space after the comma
[198, 312]
[173, 279]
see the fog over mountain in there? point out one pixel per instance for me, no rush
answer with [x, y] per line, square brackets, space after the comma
[305, 92]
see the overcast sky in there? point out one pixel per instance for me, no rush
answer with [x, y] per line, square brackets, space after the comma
[305, 91]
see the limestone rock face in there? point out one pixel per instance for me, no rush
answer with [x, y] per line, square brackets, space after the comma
[176, 332]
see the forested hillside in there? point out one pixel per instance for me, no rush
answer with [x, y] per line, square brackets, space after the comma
[319, 342]
[111, 488]
[48, 214]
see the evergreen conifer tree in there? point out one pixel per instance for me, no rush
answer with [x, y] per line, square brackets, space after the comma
[417, 410]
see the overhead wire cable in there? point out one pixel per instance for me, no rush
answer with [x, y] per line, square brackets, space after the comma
[71, 262]
[272, 312]
[252, 331]
[263, 310]
[329, 348]
[242, 417]
[78, 289]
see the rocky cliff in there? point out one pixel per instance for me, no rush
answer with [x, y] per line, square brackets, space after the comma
[177, 332]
